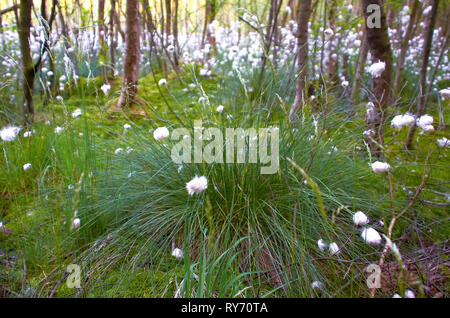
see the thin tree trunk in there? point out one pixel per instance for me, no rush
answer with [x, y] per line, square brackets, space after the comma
[101, 37]
[113, 43]
[28, 66]
[380, 50]
[427, 39]
[302, 56]
[404, 47]
[132, 55]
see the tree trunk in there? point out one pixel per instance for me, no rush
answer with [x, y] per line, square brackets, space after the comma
[302, 56]
[132, 55]
[113, 43]
[332, 47]
[101, 37]
[176, 45]
[427, 39]
[28, 66]
[404, 48]
[380, 50]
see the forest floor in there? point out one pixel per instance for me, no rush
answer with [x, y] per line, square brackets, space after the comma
[37, 242]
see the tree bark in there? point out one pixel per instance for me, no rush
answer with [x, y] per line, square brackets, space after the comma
[380, 50]
[28, 66]
[132, 55]
[427, 39]
[101, 36]
[302, 56]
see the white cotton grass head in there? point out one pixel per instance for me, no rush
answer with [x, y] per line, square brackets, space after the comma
[197, 185]
[371, 236]
[26, 166]
[322, 244]
[359, 218]
[409, 294]
[105, 89]
[9, 133]
[396, 296]
[316, 285]
[380, 167]
[177, 253]
[219, 108]
[377, 68]
[425, 122]
[334, 249]
[58, 130]
[76, 223]
[118, 151]
[162, 82]
[161, 133]
[445, 93]
[76, 113]
[400, 121]
[126, 126]
[443, 142]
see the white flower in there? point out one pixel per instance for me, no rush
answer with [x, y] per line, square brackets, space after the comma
[105, 88]
[402, 120]
[443, 142]
[396, 296]
[118, 151]
[26, 166]
[425, 122]
[344, 83]
[9, 133]
[409, 294]
[359, 218]
[126, 126]
[371, 236]
[162, 82]
[177, 253]
[334, 249]
[76, 113]
[377, 68]
[58, 130]
[328, 33]
[161, 133]
[445, 93]
[316, 285]
[76, 223]
[379, 167]
[322, 245]
[219, 109]
[197, 185]
[27, 134]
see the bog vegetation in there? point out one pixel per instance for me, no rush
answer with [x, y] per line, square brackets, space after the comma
[93, 205]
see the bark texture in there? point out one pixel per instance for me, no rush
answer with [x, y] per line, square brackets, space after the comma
[132, 55]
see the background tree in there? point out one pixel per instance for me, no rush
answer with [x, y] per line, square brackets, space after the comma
[427, 39]
[302, 56]
[132, 55]
[380, 51]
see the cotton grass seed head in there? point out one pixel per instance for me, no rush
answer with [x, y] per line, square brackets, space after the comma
[359, 218]
[197, 185]
[161, 133]
[9, 133]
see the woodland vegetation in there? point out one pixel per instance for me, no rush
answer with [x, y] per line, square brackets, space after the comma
[92, 93]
